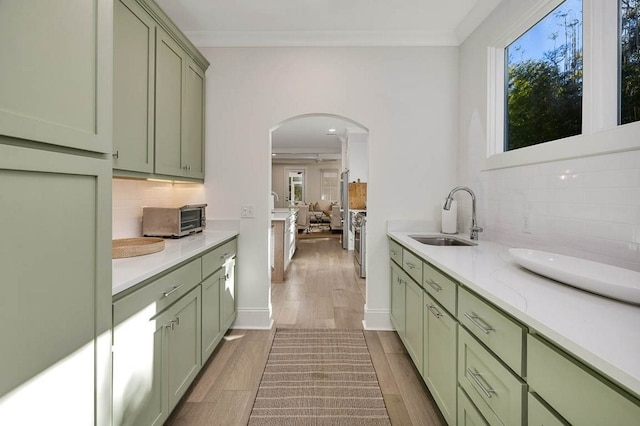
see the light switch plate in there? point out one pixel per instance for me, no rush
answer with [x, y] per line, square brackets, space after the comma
[247, 211]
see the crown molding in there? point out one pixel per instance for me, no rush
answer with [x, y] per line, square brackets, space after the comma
[321, 38]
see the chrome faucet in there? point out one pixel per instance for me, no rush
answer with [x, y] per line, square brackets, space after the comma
[474, 225]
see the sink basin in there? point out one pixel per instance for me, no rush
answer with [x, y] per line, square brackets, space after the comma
[440, 240]
[607, 280]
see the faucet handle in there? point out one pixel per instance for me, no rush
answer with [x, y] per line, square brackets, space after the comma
[474, 232]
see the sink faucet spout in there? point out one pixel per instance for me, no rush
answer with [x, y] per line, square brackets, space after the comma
[475, 229]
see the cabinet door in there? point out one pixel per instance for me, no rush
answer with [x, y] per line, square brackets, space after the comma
[184, 344]
[468, 414]
[55, 303]
[413, 322]
[397, 299]
[211, 313]
[133, 87]
[193, 118]
[228, 295]
[139, 364]
[170, 68]
[440, 343]
[55, 83]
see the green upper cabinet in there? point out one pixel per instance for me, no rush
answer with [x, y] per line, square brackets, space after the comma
[170, 66]
[133, 87]
[159, 96]
[55, 78]
[193, 122]
[179, 111]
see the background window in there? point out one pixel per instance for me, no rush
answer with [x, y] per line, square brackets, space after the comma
[544, 80]
[629, 61]
[329, 185]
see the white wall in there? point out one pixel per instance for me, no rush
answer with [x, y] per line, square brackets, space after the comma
[405, 97]
[587, 207]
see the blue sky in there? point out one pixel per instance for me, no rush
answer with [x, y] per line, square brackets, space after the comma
[536, 41]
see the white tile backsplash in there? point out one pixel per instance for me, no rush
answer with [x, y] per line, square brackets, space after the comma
[587, 207]
[130, 195]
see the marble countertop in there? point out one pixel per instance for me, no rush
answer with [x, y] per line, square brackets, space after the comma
[603, 333]
[128, 272]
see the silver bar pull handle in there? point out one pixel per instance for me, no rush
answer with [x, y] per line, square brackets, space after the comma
[434, 311]
[434, 285]
[410, 265]
[477, 377]
[224, 256]
[393, 252]
[173, 290]
[485, 328]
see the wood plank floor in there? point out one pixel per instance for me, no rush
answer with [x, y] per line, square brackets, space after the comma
[321, 290]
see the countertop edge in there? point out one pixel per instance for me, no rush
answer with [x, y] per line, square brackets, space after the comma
[129, 272]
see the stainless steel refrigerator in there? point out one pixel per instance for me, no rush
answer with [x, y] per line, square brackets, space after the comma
[344, 202]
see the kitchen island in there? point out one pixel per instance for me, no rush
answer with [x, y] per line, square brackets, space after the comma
[284, 236]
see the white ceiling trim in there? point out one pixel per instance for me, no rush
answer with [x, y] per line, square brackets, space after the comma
[322, 38]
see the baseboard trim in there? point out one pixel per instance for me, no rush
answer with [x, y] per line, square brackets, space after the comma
[253, 319]
[377, 319]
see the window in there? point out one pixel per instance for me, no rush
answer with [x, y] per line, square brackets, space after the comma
[607, 67]
[329, 184]
[544, 80]
[629, 61]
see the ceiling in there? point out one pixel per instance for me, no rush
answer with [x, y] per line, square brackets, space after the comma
[311, 139]
[210, 23]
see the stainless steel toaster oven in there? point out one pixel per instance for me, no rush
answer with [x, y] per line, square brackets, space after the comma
[174, 222]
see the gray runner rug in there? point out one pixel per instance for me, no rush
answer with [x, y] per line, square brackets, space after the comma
[319, 377]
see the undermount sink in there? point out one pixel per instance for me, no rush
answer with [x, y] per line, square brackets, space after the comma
[440, 240]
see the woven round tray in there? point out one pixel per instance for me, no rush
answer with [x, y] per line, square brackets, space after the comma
[129, 247]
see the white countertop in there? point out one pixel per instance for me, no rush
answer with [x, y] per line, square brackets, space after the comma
[602, 332]
[282, 213]
[130, 271]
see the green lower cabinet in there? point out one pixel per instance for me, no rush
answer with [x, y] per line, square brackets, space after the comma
[211, 330]
[183, 328]
[497, 393]
[575, 392]
[439, 355]
[541, 415]
[468, 414]
[138, 374]
[397, 299]
[414, 323]
[155, 359]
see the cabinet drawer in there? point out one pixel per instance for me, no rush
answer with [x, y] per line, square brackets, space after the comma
[395, 251]
[540, 415]
[575, 392]
[213, 260]
[440, 286]
[501, 334]
[412, 264]
[468, 414]
[498, 393]
[159, 293]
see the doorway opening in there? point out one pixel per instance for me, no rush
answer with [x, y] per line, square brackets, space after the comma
[317, 160]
